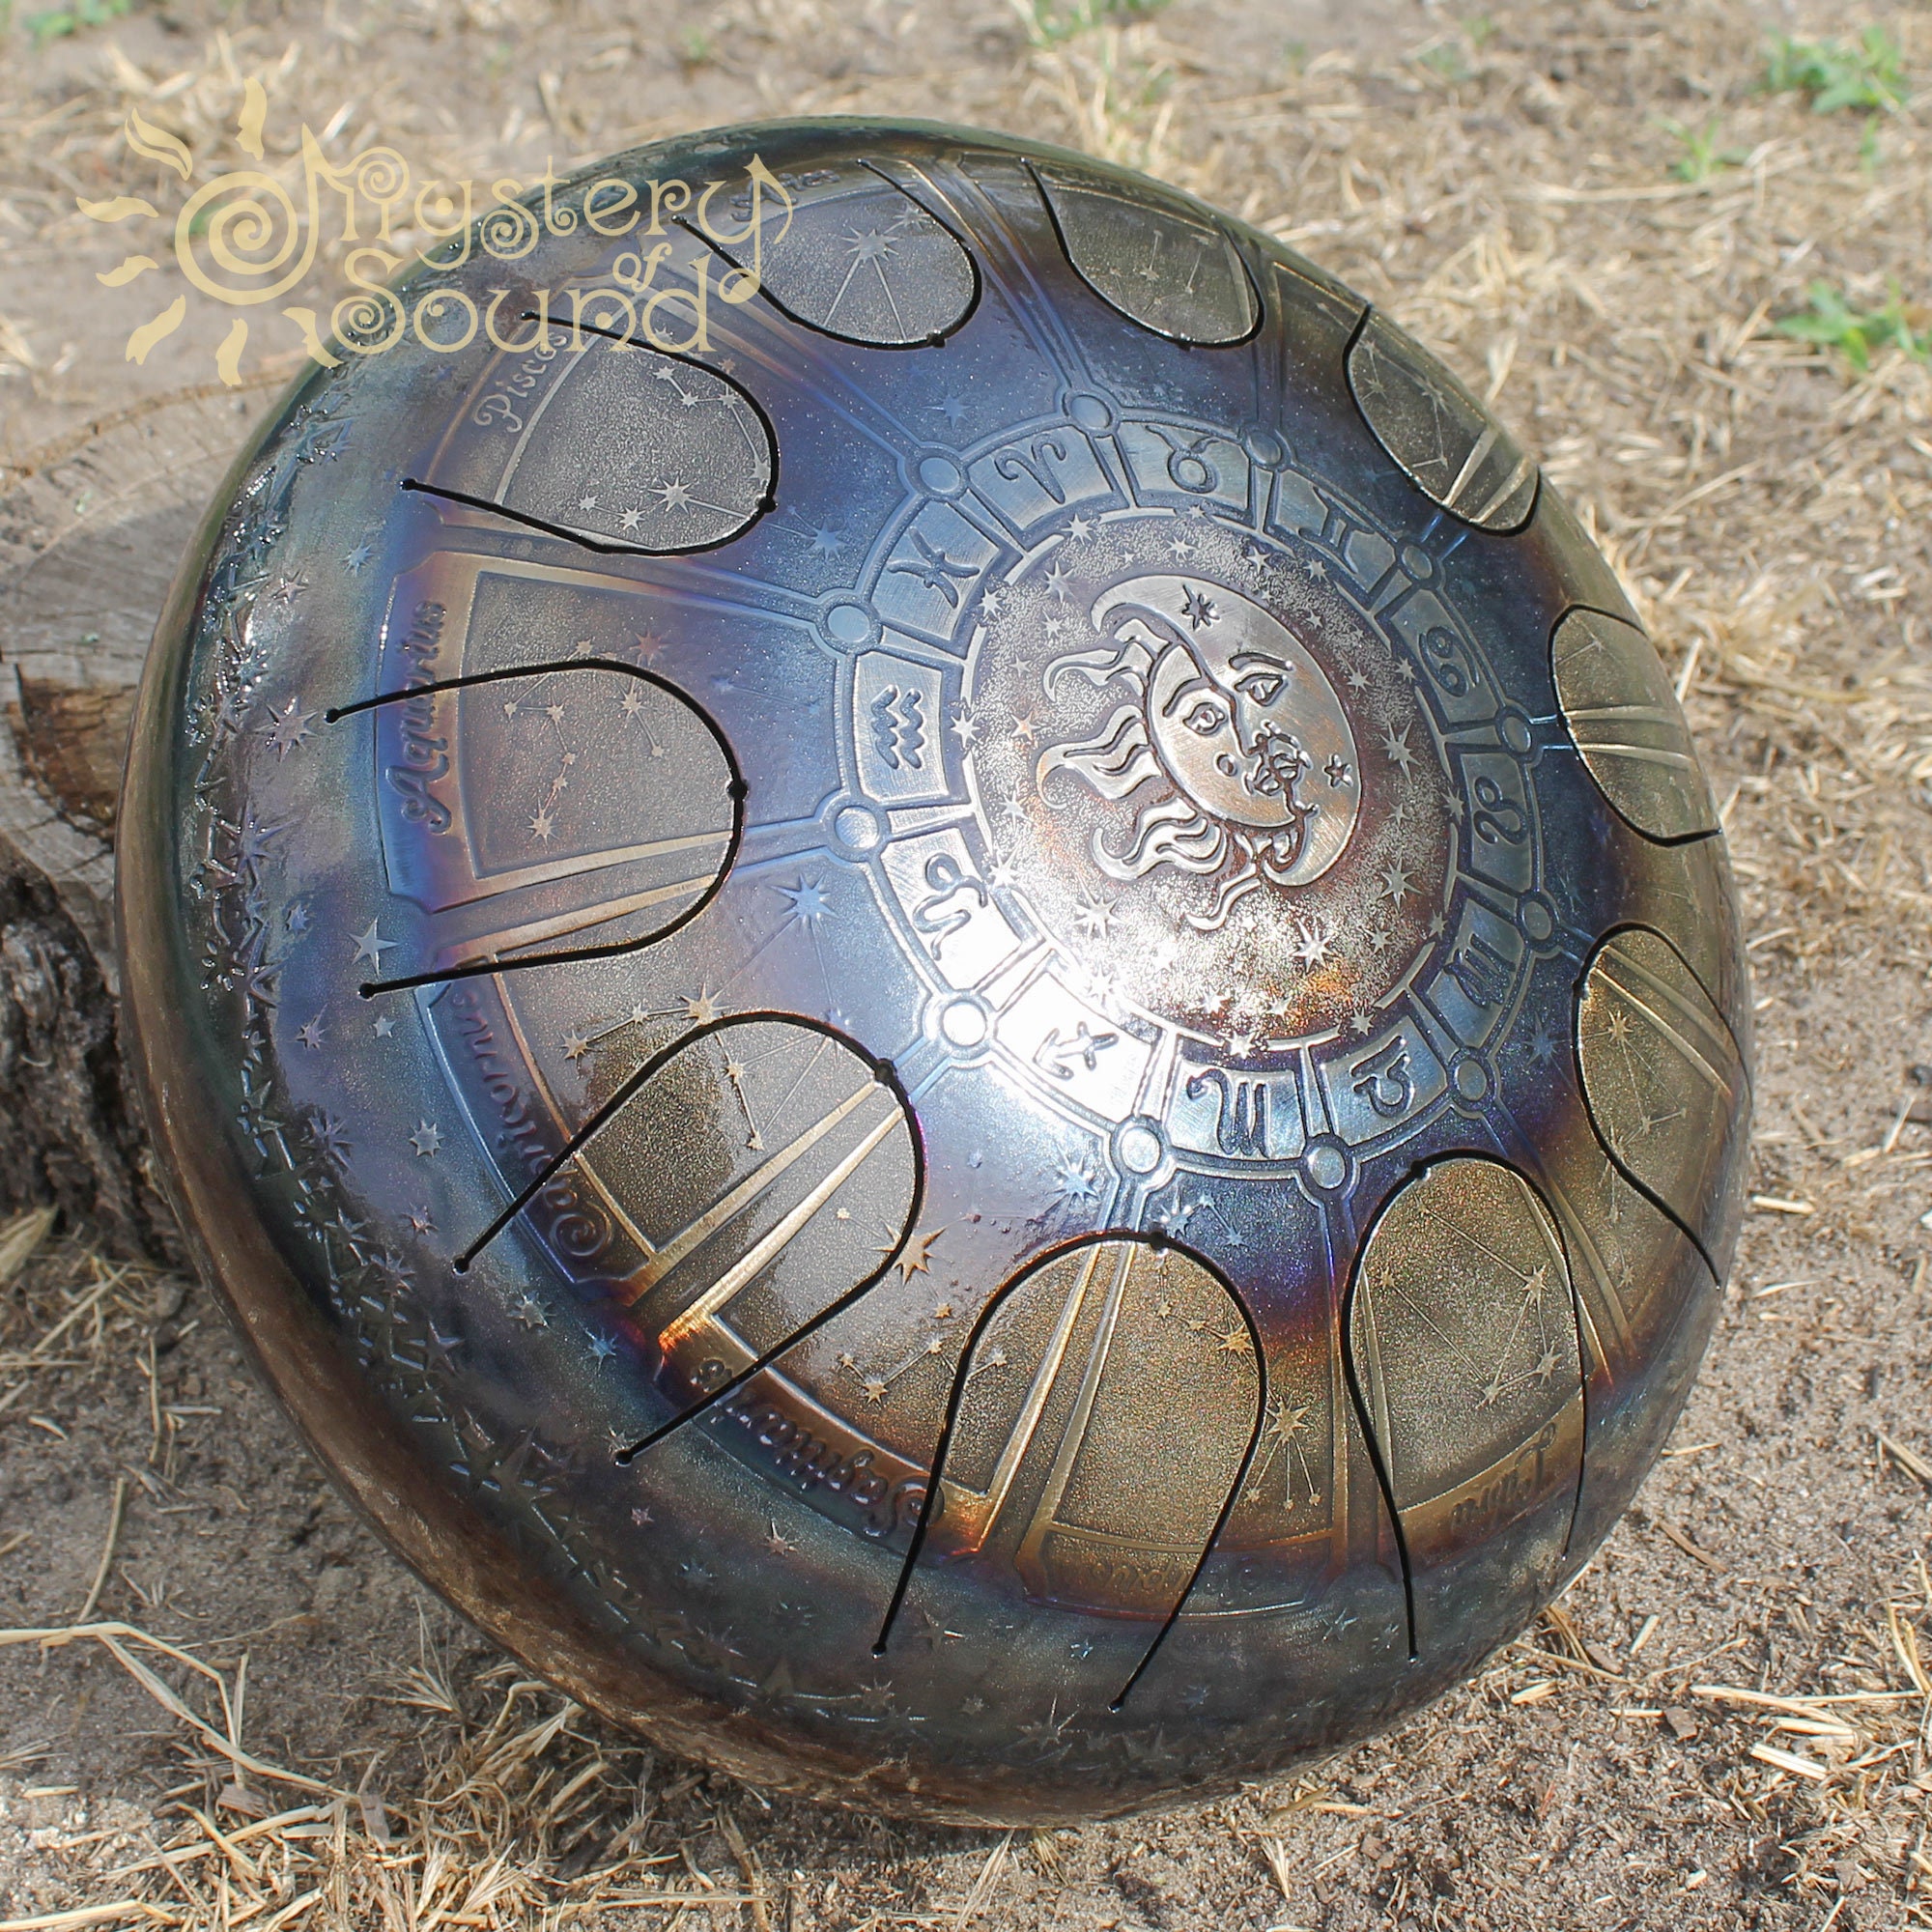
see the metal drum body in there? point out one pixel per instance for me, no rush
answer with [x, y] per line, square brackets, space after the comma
[985, 1050]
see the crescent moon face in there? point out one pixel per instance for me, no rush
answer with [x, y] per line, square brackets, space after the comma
[1243, 720]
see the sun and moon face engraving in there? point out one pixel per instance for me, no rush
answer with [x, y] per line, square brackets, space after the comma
[1226, 717]
[1204, 771]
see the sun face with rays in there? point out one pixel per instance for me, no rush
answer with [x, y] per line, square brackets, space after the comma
[1229, 738]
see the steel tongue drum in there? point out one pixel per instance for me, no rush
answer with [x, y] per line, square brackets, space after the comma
[944, 984]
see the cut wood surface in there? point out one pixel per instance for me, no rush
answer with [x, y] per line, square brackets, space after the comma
[92, 528]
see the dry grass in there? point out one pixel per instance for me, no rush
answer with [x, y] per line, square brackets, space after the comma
[1601, 216]
[515, 1814]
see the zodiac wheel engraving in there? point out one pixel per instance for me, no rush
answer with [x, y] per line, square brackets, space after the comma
[1229, 815]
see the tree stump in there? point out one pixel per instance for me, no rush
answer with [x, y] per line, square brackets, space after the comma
[90, 529]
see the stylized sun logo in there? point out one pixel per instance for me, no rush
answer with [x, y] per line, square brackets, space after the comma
[1234, 739]
[240, 238]
[243, 239]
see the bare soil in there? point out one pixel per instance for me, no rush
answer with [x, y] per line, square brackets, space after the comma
[1726, 1721]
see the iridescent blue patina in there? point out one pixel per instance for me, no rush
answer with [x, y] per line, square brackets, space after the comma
[982, 1044]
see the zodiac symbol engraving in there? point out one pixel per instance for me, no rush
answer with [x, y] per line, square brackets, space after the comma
[1498, 815]
[1447, 661]
[1058, 1055]
[1241, 1112]
[1384, 1081]
[1034, 463]
[935, 569]
[898, 728]
[1481, 971]
[1189, 469]
[947, 881]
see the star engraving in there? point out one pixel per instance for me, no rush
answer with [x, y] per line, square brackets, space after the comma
[1094, 915]
[290, 728]
[1396, 746]
[809, 903]
[1313, 941]
[1075, 1182]
[370, 945]
[1200, 610]
[916, 1257]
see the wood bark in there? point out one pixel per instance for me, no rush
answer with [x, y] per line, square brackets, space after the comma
[92, 528]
